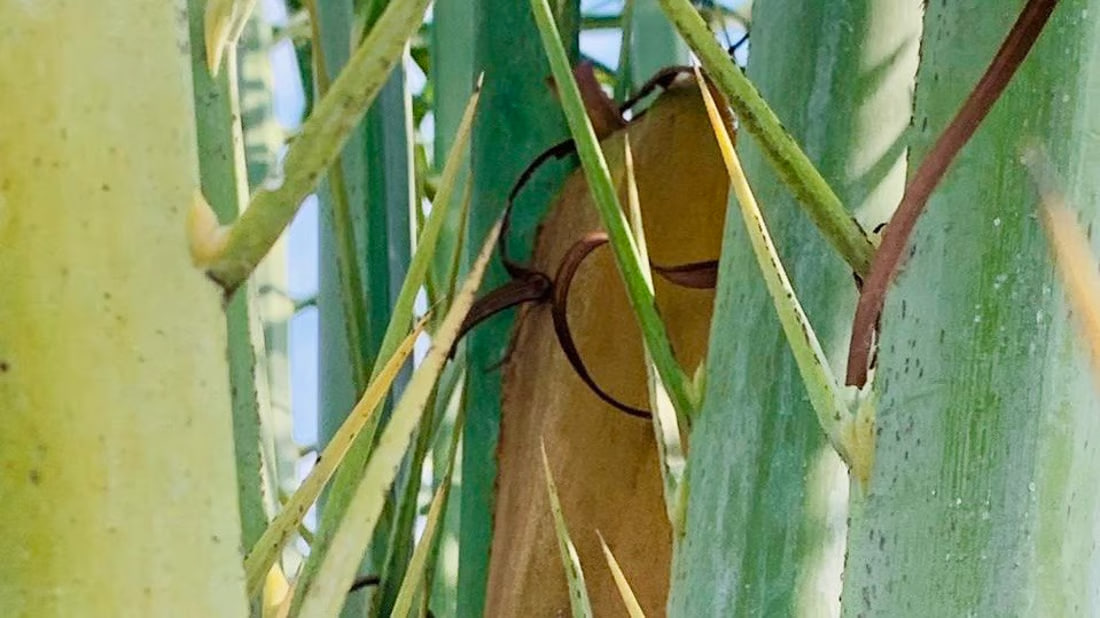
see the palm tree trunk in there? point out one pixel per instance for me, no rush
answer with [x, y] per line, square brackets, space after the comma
[116, 450]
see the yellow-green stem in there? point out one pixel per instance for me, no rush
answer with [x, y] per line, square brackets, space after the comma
[116, 449]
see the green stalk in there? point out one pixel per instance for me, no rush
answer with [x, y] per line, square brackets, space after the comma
[413, 581]
[380, 195]
[828, 400]
[440, 581]
[452, 78]
[301, 26]
[391, 198]
[624, 72]
[607, 21]
[422, 561]
[224, 182]
[611, 21]
[614, 220]
[266, 550]
[318, 143]
[337, 570]
[782, 151]
[329, 30]
[429, 238]
[669, 435]
[981, 500]
[571, 562]
[401, 537]
[349, 475]
[766, 494]
[347, 343]
[655, 44]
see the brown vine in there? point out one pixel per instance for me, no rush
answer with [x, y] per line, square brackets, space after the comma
[884, 267]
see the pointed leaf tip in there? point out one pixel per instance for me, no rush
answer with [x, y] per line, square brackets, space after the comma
[223, 22]
[574, 574]
[216, 26]
[625, 591]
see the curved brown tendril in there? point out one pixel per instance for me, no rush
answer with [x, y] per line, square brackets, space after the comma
[364, 582]
[531, 285]
[1011, 54]
[534, 286]
[557, 151]
[367, 581]
[663, 79]
[696, 275]
[559, 311]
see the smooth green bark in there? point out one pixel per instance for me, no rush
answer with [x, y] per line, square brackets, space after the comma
[655, 43]
[116, 447]
[225, 186]
[453, 75]
[317, 146]
[390, 198]
[983, 499]
[377, 190]
[766, 510]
